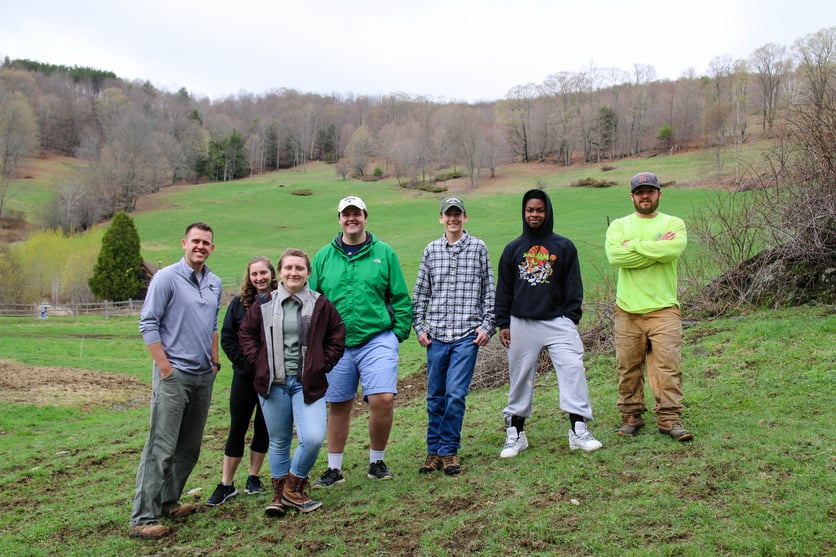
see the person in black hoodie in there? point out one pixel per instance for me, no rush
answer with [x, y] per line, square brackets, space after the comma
[538, 304]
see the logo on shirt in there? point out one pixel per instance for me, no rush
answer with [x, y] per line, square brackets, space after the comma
[537, 265]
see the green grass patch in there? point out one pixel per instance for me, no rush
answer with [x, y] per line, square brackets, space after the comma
[757, 480]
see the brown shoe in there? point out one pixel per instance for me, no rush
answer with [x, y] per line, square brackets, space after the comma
[276, 508]
[149, 531]
[451, 465]
[432, 464]
[294, 494]
[180, 511]
[675, 430]
[630, 424]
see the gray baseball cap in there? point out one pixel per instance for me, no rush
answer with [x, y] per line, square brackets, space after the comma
[644, 179]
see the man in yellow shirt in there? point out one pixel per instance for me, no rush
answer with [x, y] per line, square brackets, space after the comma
[645, 246]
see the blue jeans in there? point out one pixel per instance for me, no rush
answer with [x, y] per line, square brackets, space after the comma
[450, 368]
[284, 406]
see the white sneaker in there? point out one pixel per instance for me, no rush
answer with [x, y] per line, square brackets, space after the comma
[514, 443]
[583, 440]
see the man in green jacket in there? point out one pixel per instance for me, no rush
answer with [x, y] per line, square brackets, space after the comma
[363, 278]
[645, 247]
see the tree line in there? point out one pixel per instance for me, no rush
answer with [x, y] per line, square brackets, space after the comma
[138, 138]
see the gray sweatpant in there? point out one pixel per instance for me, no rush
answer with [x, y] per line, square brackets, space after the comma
[179, 407]
[560, 337]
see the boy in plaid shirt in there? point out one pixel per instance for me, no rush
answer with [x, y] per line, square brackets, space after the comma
[452, 316]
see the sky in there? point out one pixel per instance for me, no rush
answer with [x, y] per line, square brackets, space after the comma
[444, 50]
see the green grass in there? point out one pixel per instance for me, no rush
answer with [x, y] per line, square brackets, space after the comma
[758, 479]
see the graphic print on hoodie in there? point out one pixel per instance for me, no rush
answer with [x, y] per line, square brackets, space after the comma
[537, 265]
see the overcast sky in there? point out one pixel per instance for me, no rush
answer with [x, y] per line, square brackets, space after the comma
[445, 50]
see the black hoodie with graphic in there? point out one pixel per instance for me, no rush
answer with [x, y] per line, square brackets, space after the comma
[539, 276]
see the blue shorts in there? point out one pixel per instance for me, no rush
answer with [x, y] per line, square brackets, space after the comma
[373, 365]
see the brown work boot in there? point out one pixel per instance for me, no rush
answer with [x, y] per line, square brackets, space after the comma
[432, 464]
[294, 494]
[675, 430]
[180, 511]
[149, 531]
[630, 424]
[451, 465]
[275, 508]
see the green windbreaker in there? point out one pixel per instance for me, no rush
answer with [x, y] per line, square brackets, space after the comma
[368, 289]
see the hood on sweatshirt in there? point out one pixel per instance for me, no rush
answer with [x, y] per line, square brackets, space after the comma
[547, 227]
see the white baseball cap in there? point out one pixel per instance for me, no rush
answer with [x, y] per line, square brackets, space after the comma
[351, 201]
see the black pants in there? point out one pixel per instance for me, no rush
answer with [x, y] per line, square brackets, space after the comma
[242, 400]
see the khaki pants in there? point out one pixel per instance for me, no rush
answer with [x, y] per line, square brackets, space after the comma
[661, 332]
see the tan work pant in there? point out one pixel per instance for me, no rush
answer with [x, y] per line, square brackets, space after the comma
[654, 338]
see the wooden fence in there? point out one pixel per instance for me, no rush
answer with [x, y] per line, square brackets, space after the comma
[45, 311]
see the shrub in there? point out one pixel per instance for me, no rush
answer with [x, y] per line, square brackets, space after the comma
[593, 183]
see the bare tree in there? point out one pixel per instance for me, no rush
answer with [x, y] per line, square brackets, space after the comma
[469, 142]
[514, 112]
[360, 150]
[771, 63]
[132, 163]
[18, 138]
[497, 151]
[642, 76]
[400, 146]
[817, 63]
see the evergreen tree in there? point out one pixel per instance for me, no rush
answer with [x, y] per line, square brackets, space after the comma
[116, 275]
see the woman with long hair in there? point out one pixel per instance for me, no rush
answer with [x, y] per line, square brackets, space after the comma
[243, 398]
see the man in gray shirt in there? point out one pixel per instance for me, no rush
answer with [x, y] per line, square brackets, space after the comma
[179, 324]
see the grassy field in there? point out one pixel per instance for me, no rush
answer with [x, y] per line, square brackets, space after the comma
[758, 479]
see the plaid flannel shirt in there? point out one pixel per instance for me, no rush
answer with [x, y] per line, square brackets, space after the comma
[454, 290]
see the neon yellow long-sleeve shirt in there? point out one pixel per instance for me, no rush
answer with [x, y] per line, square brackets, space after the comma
[647, 265]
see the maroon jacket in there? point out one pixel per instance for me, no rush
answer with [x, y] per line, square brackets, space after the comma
[326, 344]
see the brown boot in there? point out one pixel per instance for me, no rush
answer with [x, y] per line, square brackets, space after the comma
[432, 464]
[451, 465]
[294, 494]
[674, 429]
[275, 508]
[630, 424]
[149, 531]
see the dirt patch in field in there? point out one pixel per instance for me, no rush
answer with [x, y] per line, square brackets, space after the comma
[63, 386]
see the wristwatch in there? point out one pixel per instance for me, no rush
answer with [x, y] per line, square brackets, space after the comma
[217, 365]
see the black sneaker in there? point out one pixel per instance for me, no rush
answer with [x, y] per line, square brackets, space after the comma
[254, 485]
[222, 494]
[330, 477]
[378, 471]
